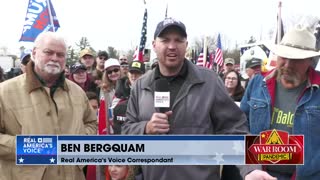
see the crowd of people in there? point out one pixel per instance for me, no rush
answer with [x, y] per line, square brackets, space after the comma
[52, 98]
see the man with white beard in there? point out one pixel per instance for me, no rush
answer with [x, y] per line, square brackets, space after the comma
[287, 99]
[42, 101]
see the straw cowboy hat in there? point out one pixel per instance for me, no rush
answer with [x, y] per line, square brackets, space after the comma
[299, 43]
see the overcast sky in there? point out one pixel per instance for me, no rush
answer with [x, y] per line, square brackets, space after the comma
[118, 23]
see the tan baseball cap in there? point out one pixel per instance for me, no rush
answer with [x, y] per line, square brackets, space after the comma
[86, 52]
[229, 61]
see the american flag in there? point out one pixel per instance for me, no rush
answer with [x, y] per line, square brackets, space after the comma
[218, 58]
[143, 39]
[209, 60]
[136, 54]
[207, 63]
[200, 59]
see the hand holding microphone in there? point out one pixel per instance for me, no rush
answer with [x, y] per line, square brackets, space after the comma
[159, 122]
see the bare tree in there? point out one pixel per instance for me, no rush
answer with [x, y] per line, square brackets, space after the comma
[198, 42]
[83, 43]
[304, 20]
[233, 53]
[71, 56]
[252, 40]
[113, 52]
[130, 54]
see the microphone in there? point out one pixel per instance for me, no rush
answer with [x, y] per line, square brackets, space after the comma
[162, 95]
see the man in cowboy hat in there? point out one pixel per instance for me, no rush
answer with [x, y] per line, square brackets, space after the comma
[287, 98]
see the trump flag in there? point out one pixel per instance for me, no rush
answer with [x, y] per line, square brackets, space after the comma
[40, 17]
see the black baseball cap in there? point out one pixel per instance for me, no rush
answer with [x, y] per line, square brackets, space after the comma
[75, 67]
[253, 62]
[137, 66]
[169, 22]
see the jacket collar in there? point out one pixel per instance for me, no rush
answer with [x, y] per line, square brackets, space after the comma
[314, 77]
[193, 76]
[33, 81]
[183, 73]
[270, 78]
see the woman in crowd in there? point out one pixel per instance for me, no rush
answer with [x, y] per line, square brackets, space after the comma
[79, 75]
[121, 172]
[233, 84]
[109, 79]
[122, 93]
[110, 76]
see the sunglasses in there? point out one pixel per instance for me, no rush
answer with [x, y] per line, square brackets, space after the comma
[114, 70]
[123, 59]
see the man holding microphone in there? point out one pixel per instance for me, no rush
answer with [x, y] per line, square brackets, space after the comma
[178, 97]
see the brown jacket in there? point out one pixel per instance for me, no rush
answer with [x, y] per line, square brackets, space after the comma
[27, 108]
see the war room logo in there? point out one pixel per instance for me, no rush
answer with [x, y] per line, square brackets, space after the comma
[274, 147]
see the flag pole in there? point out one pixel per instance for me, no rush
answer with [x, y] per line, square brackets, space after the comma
[279, 24]
[50, 15]
[217, 68]
[205, 51]
[143, 37]
[166, 15]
